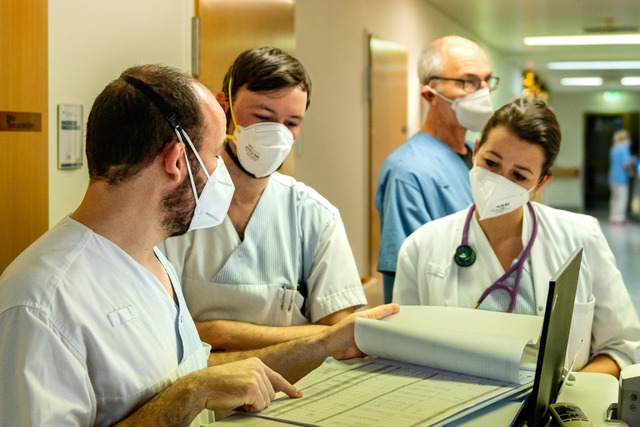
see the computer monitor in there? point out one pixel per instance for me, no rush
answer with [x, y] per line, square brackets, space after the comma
[553, 342]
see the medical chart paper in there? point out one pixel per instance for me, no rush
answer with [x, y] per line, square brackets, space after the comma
[382, 392]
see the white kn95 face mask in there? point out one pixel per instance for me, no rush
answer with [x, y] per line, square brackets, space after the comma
[494, 194]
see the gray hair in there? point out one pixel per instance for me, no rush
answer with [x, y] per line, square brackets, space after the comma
[430, 63]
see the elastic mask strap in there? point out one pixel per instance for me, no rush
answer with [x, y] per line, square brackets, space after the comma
[155, 99]
[432, 90]
[170, 117]
[233, 117]
[193, 183]
[195, 152]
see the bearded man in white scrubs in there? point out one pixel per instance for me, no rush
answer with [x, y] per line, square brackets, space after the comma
[94, 329]
[279, 267]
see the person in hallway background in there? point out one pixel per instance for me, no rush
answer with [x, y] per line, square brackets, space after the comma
[279, 266]
[500, 253]
[620, 166]
[94, 328]
[427, 177]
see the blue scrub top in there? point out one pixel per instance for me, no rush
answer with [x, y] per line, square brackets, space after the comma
[619, 156]
[422, 180]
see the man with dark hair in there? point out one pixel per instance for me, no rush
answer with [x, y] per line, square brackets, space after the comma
[427, 177]
[94, 329]
[279, 266]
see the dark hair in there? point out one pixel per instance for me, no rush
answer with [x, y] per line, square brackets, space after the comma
[532, 121]
[126, 130]
[266, 69]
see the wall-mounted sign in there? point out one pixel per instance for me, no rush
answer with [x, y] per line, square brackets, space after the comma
[16, 121]
[69, 136]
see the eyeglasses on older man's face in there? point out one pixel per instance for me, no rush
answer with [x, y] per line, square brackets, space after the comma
[471, 83]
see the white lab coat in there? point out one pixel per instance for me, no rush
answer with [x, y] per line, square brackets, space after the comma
[603, 317]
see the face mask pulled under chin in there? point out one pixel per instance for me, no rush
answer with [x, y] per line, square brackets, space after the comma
[472, 111]
[262, 147]
[494, 194]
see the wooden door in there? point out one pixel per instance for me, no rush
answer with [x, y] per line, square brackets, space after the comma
[387, 121]
[23, 125]
[228, 27]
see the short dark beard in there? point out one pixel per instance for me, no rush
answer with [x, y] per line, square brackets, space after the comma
[179, 207]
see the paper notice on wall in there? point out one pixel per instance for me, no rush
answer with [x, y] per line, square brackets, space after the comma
[70, 148]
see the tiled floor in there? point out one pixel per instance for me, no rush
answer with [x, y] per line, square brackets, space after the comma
[625, 243]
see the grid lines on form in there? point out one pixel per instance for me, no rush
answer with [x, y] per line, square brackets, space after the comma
[383, 394]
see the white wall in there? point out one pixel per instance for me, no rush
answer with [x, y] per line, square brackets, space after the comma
[90, 43]
[570, 109]
[331, 40]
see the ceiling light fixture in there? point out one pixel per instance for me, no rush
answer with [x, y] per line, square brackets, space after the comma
[594, 65]
[584, 40]
[630, 81]
[581, 81]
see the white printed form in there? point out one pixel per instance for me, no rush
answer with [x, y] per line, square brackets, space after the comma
[385, 393]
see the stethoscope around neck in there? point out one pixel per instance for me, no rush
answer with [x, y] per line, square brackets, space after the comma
[465, 256]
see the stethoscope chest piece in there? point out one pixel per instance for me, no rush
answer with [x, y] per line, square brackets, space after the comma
[464, 256]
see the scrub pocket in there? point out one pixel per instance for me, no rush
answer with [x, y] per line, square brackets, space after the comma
[261, 304]
[579, 345]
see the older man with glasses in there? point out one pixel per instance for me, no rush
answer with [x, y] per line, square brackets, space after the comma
[427, 177]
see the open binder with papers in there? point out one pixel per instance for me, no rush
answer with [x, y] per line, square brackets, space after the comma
[431, 366]
[476, 342]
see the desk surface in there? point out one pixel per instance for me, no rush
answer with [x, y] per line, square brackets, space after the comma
[593, 393]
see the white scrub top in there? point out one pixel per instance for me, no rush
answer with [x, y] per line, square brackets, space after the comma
[293, 267]
[88, 335]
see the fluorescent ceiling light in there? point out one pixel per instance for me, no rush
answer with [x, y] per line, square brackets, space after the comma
[630, 81]
[594, 65]
[581, 81]
[606, 39]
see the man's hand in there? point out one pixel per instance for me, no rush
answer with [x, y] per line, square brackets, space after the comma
[296, 358]
[339, 337]
[247, 383]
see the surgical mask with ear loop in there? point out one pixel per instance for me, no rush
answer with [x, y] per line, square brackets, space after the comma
[472, 111]
[262, 147]
[214, 200]
[494, 194]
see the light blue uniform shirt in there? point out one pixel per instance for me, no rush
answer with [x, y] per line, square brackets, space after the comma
[619, 155]
[88, 335]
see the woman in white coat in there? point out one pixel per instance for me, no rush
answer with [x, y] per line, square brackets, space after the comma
[500, 253]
